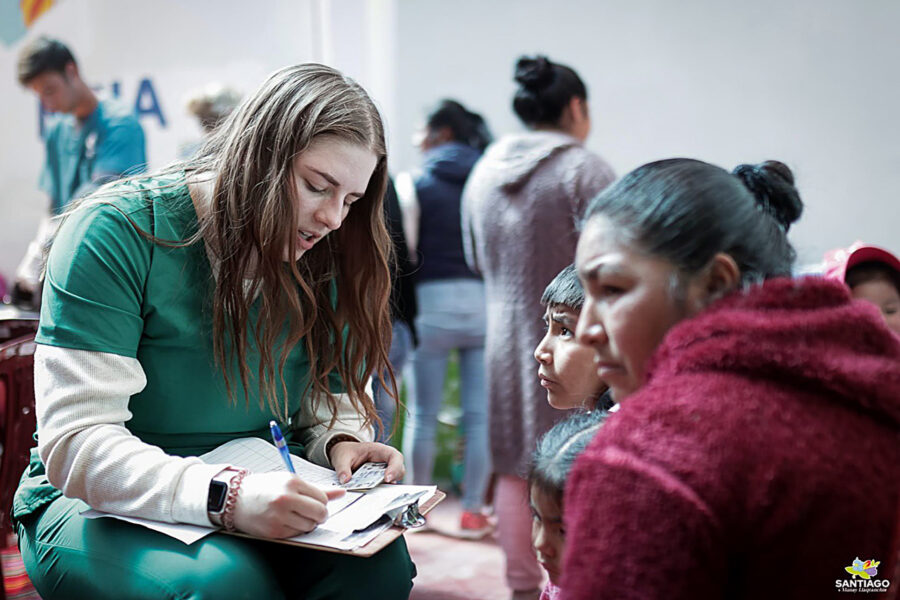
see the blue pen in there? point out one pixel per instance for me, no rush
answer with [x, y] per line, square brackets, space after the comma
[282, 446]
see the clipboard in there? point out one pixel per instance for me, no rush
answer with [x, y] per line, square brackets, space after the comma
[373, 546]
[262, 457]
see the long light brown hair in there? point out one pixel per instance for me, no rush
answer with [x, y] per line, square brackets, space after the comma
[250, 220]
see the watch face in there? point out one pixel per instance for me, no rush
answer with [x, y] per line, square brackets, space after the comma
[215, 501]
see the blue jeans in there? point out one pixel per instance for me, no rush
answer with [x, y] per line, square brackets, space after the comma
[451, 317]
[401, 346]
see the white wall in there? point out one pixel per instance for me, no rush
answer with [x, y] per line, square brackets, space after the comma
[810, 82]
[813, 83]
[178, 46]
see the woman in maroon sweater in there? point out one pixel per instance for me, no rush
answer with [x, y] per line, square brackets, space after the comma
[756, 453]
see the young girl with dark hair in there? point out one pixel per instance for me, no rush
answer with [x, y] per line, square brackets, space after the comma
[190, 307]
[755, 453]
[550, 466]
[566, 367]
[520, 209]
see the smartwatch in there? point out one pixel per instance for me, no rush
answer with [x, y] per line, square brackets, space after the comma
[218, 492]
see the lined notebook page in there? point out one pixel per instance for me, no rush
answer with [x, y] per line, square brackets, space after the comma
[260, 456]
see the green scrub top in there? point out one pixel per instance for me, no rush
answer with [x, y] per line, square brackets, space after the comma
[109, 289]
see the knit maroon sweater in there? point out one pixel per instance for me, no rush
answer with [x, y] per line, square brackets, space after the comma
[760, 459]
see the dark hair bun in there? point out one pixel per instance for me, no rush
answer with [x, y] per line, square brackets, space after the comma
[465, 126]
[534, 73]
[772, 185]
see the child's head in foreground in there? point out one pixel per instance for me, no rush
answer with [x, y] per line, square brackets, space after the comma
[872, 274]
[566, 368]
[552, 460]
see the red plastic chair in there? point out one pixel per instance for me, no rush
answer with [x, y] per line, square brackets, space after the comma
[18, 423]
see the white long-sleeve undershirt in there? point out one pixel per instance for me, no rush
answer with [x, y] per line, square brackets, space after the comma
[81, 402]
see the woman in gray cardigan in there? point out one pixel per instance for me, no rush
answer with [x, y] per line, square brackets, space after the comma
[520, 209]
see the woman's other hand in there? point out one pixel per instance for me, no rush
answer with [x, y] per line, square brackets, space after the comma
[348, 456]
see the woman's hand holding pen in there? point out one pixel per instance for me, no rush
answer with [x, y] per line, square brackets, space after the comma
[347, 456]
[280, 505]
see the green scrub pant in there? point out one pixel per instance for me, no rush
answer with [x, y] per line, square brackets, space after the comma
[70, 557]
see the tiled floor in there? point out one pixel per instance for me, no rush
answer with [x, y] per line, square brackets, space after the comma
[455, 569]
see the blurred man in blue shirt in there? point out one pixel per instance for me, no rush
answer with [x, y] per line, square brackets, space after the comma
[89, 141]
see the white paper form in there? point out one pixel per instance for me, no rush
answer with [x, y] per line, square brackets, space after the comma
[354, 527]
[341, 541]
[375, 503]
[180, 531]
[260, 456]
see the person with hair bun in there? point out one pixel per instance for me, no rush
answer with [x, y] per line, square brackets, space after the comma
[520, 209]
[450, 301]
[755, 451]
[551, 97]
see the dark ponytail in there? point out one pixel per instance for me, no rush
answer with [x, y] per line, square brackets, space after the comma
[545, 89]
[465, 126]
[687, 211]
